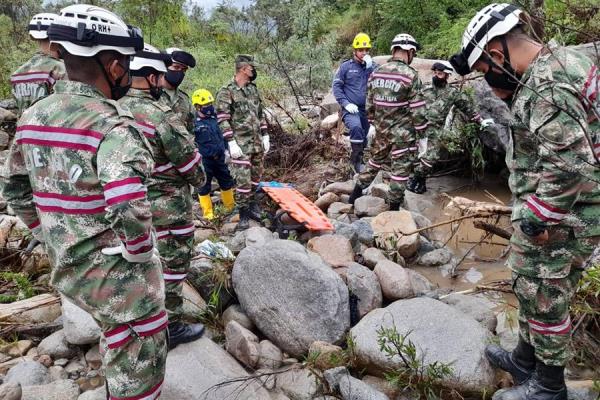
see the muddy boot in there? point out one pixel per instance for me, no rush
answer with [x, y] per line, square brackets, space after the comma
[520, 363]
[254, 212]
[179, 332]
[356, 193]
[420, 186]
[547, 383]
[356, 157]
[411, 184]
[244, 222]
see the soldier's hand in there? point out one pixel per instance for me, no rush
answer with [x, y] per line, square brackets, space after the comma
[538, 232]
[487, 122]
[266, 143]
[351, 108]
[235, 150]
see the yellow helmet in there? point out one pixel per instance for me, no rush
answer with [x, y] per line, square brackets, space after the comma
[361, 41]
[202, 97]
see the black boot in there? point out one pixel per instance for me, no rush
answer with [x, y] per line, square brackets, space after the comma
[395, 206]
[180, 332]
[254, 212]
[244, 222]
[411, 184]
[356, 157]
[548, 383]
[520, 363]
[356, 193]
[417, 185]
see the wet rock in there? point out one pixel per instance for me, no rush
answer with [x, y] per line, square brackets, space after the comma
[297, 384]
[372, 256]
[57, 373]
[326, 200]
[436, 257]
[394, 280]
[326, 355]
[336, 209]
[425, 246]
[271, 356]
[97, 394]
[364, 283]
[369, 206]
[330, 122]
[335, 250]
[56, 346]
[79, 326]
[440, 333]
[386, 227]
[291, 295]
[421, 220]
[28, 373]
[242, 344]
[350, 388]
[17, 349]
[235, 313]
[380, 190]
[340, 187]
[58, 390]
[258, 236]
[10, 391]
[364, 231]
[478, 307]
[196, 367]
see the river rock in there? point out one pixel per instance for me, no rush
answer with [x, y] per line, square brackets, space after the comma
[79, 326]
[235, 313]
[440, 333]
[330, 122]
[326, 355]
[200, 277]
[96, 394]
[381, 190]
[347, 231]
[436, 257]
[291, 295]
[370, 206]
[582, 390]
[271, 356]
[382, 385]
[6, 115]
[237, 242]
[297, 384]
[17, 349]
[4, 139]
[28, 373]
[372, 256]
[10, 391]
[58, 390]
[350, 388]
[385, 226]
[242, 344]
[419, 284]
[337, 209]
[364, 283]
[57, 373]
[194, 368]
[201, 234]
[258, 236]
[335, 250]
[364, 231]
[340, 187]
[394, 280]
[326, 200]
[478, 307]
[56, 346]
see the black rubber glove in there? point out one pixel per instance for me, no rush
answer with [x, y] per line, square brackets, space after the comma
[532, 228]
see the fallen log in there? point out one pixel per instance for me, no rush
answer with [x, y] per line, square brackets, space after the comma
[496, 230]
[42, 300]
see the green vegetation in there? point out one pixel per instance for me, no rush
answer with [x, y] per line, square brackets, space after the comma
[23, 287]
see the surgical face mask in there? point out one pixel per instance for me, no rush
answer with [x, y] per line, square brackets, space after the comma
[174, 77]
[253, 76]
[438, 82]
[117, 90]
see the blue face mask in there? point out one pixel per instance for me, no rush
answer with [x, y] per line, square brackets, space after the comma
[208, 111]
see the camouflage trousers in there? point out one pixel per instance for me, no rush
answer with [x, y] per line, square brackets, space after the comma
[173, 221]
[133, 320]
[247, 171]
[395, 153]
[426, 162]
[545, 279]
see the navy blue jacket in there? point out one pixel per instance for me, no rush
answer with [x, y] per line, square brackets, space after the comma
[209, 139]
[350, 83]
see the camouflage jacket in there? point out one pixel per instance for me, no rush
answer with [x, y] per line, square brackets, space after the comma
[177, 160]
[441, 100]
[35, 79]
[240, 115]
[553, 173]
[79, 163]
[180, 103]
[394, 100]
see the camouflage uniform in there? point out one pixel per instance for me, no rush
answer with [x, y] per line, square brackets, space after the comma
[178, 165]
[554, 178]
[80, 166]
[240, 116]
[395, 107]
[35, 79]
[439, 102]
[181, 105]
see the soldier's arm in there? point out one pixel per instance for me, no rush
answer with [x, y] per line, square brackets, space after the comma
[559, 126]
[370, 107]
[417, 105]
[338, 86]
[181, 150]
[18, 192]
[261, 115]
[224, 112]
[124, 164]
[465, 103]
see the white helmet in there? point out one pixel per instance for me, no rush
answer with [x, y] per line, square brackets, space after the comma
[149, 57]
[38, 26]
[170, 50]
[490, 22]
[405, 42]
[85, 30]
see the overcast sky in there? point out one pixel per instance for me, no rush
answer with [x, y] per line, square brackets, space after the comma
[210, 4]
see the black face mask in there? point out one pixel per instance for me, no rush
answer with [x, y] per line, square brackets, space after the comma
[253, 76]
[117, 90]
[209, 111]
[155, 91]
[438, 82]
[508, 79]
[174, 77]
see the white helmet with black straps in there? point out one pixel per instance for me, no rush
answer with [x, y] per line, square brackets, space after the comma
[85, 30]
[149, 57]
[405, 42]
[38, 26]
[492, 21]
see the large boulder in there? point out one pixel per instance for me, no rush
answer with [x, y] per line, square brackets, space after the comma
[56, 346]
[370, 206]
[336, 250]
[478, 307]
[297, 384]
[10, 391]
[79, 326]
[389, 228]
[363, 283]
[291, 295]
[64, 389]
[28, 373]
[242, 344]
[201, 369]
[440, 333]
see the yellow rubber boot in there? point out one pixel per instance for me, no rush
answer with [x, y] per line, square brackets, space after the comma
[228, 200]
[206, 205]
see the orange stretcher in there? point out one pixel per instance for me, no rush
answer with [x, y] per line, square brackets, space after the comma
[297, 206]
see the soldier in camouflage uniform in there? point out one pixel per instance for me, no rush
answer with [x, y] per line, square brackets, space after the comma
[440, 98]
[35, 79]
[177, 166]
[554, 178]
[77, 175]
[174, 97]
[241, 119]
[394, 105]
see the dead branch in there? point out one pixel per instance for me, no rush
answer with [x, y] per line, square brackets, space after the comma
[10, 310]
[450, 221]
[470, 206]
[496, 230]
